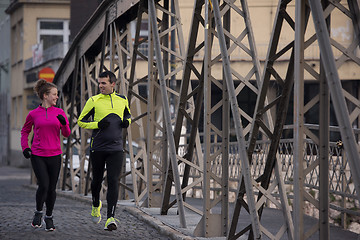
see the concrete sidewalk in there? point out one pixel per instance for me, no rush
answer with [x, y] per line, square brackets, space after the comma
[271, 220]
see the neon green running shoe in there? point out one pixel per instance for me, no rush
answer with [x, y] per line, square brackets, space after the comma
[96, 214]
[110, 224]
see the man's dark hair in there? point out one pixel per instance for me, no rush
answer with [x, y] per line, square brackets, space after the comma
[110, 75]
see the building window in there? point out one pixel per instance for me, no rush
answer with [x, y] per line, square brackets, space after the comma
[52, 32]
[17, 43]
[13, 112]
[21, 40]
[14, 42]
[20, 116]
[16, 115]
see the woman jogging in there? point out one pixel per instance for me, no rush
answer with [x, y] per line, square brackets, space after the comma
[45, 153]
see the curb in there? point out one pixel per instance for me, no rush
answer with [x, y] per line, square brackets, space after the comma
[159, 225]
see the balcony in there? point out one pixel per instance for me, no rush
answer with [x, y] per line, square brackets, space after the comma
[56, 51]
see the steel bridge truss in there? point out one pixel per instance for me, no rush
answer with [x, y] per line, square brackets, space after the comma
[179, 95]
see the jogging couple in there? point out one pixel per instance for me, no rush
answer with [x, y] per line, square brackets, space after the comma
[107, 114]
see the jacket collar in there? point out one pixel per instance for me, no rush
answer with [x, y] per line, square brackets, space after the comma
[110, 94]
[40, 106]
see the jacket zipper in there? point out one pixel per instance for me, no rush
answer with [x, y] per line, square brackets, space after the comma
[111, 101]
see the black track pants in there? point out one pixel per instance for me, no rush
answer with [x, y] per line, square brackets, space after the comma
[46, 170]
[113, 161]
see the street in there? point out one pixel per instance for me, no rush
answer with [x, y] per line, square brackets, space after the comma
[71, 217]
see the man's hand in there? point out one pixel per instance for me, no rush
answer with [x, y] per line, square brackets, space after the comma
[104, 123]
[124, 124]
[27, 153]
[61, 119]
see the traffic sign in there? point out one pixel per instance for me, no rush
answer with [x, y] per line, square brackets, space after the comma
[47, 73]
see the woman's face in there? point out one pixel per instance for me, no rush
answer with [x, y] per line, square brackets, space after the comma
[51, 98]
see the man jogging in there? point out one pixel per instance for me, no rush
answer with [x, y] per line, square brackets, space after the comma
[110, 114]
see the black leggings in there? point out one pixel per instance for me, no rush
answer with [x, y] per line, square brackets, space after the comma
[113, 161]
[46, 170]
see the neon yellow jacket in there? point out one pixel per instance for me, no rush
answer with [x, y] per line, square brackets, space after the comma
[115, 108]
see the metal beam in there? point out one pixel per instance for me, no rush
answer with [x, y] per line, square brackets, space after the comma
[338, 99]
[299, 119]
[165, 101]
[71, 120]
[238, 126]
[150, 168]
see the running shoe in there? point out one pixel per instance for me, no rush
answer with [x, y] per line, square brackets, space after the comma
[49, 223]
[96, 214]
[36, 223]
[110, 224]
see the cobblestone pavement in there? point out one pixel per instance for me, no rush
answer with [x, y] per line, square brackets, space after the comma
[71, 217]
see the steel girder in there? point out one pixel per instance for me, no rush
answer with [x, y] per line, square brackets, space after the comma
[167, 124]
[106, 42]
[215, 136]
[329, 81]
[163, 81]
[188, 113]
[241, 143]
[305, 167]
[297, 67]
[115, 48]
[95, 49]
[273, 133]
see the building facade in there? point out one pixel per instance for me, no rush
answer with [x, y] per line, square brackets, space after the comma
[4, 83]
[39, 32]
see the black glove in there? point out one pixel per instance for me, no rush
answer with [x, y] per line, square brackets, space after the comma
[104, 123]
[61, 119]
[127, 115]
[27, 153]
[124, 124]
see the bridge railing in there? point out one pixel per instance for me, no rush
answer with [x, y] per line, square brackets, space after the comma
[342, 197]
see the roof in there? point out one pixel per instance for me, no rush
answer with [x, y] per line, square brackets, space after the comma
[15, 4]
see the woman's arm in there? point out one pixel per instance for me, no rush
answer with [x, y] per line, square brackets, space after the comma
[25, 131]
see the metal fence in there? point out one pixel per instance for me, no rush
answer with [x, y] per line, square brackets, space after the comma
[341, 187]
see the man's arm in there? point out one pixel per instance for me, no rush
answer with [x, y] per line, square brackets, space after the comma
[127, 113]
[126, 121]
[89, 110]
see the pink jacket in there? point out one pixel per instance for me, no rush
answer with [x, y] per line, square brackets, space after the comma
[46, 142]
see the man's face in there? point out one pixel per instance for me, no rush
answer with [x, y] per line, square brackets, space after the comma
[105, 86]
